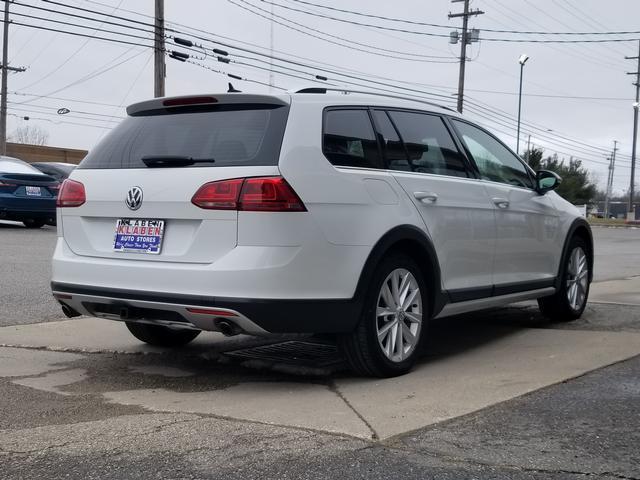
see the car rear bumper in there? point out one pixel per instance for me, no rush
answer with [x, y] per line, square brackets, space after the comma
[245, 315]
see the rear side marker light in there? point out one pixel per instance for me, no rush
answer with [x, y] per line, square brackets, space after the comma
[212, 312]
[257, 194]
[71, 194]
[62, 296]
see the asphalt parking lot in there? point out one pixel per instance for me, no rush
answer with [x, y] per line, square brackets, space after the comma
[498, 394]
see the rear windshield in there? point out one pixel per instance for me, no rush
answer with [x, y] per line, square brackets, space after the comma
[233, 135]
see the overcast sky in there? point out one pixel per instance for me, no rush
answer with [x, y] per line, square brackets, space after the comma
[96, 79]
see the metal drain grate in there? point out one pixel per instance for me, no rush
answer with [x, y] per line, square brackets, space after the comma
[293, 352]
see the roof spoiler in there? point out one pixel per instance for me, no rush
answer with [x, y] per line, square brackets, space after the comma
[210, 99]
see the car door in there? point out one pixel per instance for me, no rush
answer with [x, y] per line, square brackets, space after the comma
[424, 159]
[527, 223]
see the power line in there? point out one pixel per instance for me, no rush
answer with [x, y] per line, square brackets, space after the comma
[69, 58]
[53, 111]
[416, 32]
[83, 17]
[61, 122]
[77, 34]
[110, 15]
[55, 115]
[87, 27]
[577, 53]
[503, 124]
[266, 15]
[543, 132]
[540, 95]
[448, 27]
[99, 71]
[348, 45]
[66, 99]
[193, 29]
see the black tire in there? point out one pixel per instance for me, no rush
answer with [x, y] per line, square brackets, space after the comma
[160, 336]
[361, 347]
[33, 223]
[557, 307]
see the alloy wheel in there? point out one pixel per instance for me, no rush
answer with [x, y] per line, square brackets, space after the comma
[577, 278]
[399, 315]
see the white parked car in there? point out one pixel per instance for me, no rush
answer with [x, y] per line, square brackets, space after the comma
[358, 215]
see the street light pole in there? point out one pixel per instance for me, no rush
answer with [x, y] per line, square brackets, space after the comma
[631, 213]
[523, 59]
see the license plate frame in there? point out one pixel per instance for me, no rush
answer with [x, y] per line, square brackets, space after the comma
[139, 235]
[33, 191]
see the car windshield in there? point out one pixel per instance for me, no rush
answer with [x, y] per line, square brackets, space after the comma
[17, 166]
[233, 135]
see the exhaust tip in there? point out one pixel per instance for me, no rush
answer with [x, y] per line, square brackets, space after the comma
[69, 312]
[227, 328]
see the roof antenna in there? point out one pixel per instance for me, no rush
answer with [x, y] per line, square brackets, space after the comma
[233, 90]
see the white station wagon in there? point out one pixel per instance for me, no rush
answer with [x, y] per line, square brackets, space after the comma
[358, 215]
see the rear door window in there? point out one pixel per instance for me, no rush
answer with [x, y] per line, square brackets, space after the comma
[349, 139]
[429, 144]
[392, 147]
[232, 134]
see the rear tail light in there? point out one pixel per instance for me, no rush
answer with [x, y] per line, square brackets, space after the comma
[260, 194]
[71, 194]
[219, 195]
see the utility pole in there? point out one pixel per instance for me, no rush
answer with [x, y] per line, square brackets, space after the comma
[159, 70]
[631, 214]
[463, 47]
[607, 194]
[5, 73]
[612, 166]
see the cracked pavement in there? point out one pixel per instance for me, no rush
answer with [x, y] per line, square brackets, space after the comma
[583, 428]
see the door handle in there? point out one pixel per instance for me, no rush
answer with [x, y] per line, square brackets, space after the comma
[500, 202]
[426, 197]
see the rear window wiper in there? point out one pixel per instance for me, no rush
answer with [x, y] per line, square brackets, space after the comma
[159, 161]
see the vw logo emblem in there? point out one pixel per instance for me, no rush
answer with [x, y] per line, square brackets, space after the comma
[134, 198]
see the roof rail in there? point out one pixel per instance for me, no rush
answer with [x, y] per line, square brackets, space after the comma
[377, 94]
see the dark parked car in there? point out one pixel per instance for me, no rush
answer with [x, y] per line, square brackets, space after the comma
[58, 170]
[26, 194]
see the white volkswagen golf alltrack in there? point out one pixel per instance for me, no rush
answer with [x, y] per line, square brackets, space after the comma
[357, 215]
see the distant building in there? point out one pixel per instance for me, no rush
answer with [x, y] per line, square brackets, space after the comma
[41, 153]
[616, 209]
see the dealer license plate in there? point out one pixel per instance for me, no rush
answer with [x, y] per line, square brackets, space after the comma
[34, 191]
[138, 235]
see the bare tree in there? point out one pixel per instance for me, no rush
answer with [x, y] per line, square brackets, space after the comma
[32, 135]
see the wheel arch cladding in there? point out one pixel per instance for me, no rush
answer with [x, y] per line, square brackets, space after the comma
[411, 241]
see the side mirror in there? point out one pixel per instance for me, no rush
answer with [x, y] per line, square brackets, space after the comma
[546, 181]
